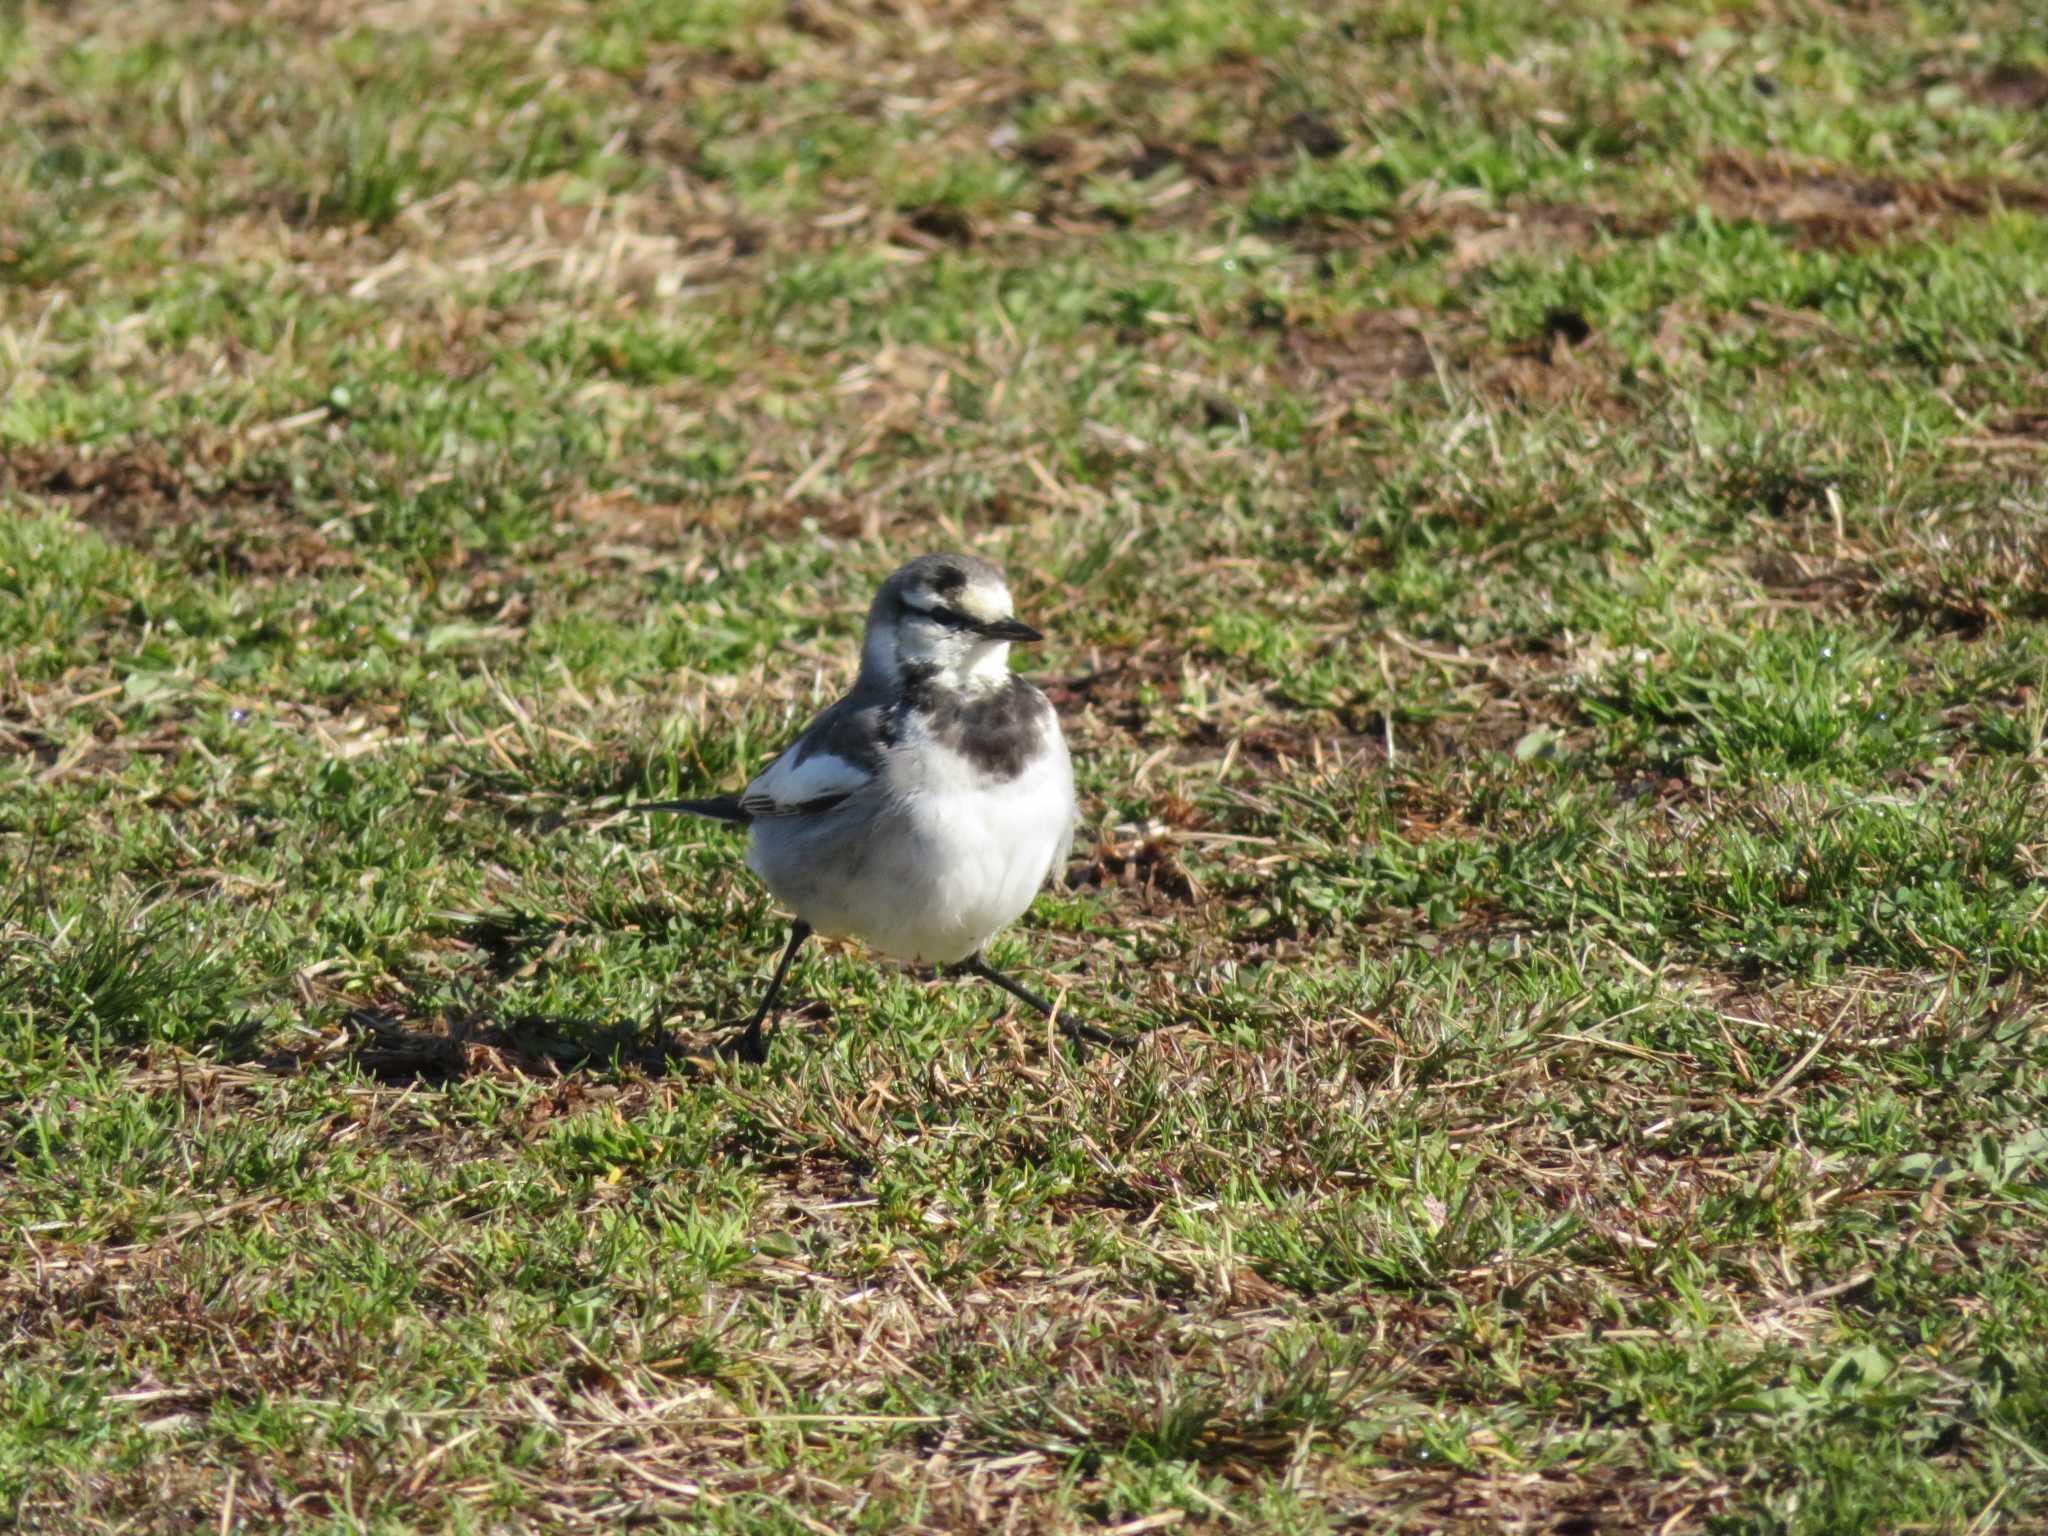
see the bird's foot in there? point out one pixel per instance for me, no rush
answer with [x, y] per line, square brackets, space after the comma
[1081, 1036]
[749, 1045]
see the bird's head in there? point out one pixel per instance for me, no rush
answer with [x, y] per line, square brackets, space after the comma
[944, 617]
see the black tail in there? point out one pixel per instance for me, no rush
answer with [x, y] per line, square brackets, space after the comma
[718, 808]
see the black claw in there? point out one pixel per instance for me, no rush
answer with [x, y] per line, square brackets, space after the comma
[1088, 1034]
[748, 1045]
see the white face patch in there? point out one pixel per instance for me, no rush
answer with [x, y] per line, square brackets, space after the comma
[962, 658]
[984, 602]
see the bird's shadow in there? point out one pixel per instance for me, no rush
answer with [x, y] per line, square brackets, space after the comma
[466, 1036]
[440, 1051]
[428, 1050]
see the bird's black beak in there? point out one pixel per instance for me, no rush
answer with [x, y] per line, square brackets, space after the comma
[1009, 629]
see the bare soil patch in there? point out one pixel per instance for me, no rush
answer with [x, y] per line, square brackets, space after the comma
[1367, 355]
[140, 494]
[1833, 207]
[2020, 86]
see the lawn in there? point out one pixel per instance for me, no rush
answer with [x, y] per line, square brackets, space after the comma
[1541, 516]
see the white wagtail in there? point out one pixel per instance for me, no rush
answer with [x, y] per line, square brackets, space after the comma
[924, 810]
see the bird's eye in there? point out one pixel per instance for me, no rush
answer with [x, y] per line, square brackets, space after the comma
[950, 618]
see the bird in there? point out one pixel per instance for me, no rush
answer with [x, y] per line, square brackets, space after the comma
[924, 811]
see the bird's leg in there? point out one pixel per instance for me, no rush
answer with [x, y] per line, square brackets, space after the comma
[752, 1044]
[1080, 1034]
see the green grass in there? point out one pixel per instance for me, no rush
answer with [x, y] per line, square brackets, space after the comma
[1540, 512]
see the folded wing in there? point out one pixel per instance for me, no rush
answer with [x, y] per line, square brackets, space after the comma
[801, 783]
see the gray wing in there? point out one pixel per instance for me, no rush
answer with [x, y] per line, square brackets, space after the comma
[838, 756]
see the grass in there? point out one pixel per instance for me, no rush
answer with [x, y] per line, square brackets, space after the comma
[1540, 512]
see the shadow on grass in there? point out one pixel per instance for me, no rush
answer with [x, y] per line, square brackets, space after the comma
[434, 1052]
[398, 1050]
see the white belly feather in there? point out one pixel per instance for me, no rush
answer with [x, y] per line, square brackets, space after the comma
[932, 859]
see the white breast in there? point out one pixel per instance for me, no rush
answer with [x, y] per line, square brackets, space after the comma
[940, 857]
[993, 847]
